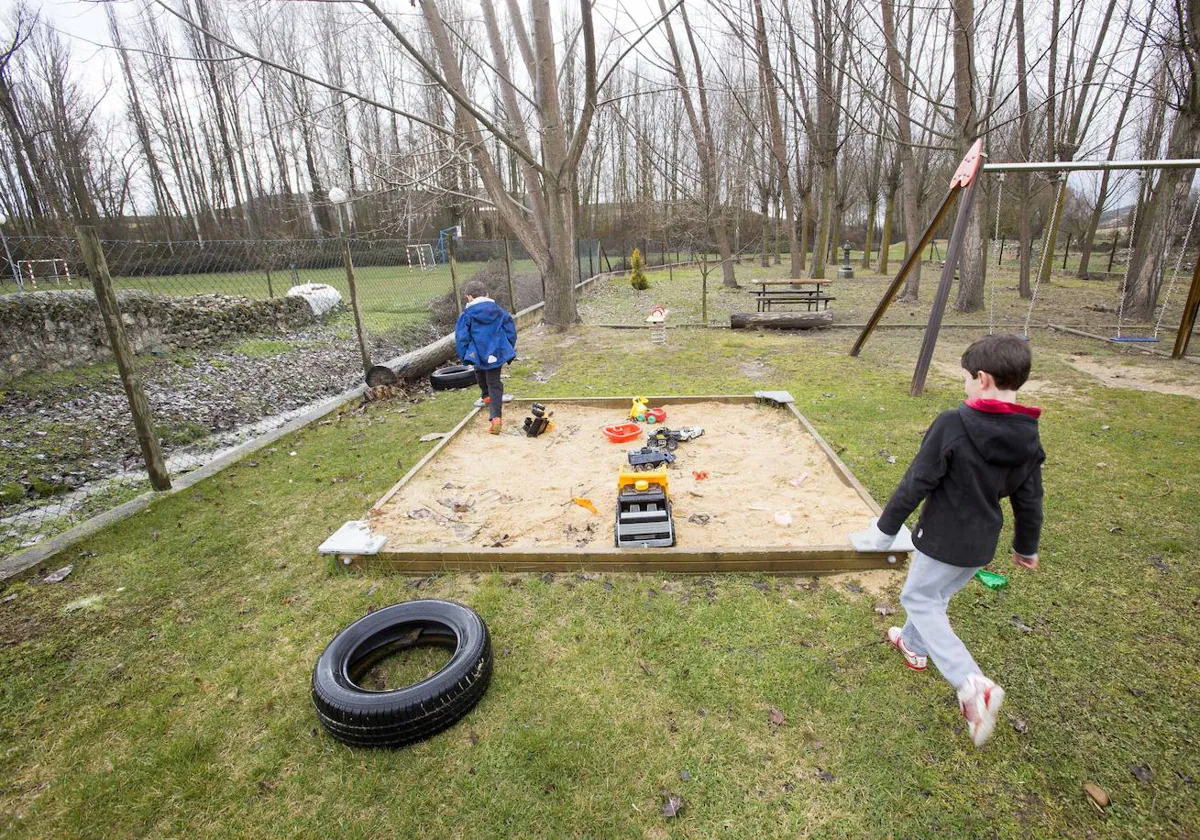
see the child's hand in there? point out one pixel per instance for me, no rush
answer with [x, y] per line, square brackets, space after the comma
[1030, 563]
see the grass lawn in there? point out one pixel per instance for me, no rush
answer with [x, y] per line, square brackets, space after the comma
[163, 688]
[1066, 299]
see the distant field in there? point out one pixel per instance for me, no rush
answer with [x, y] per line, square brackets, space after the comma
[392, 297]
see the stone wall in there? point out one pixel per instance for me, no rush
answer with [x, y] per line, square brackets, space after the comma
[52, 330]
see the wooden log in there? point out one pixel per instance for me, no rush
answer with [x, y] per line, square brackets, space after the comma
[424, 360]
[780, 320]
[139, 408]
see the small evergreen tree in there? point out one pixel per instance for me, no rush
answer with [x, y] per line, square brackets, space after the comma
[637, 272]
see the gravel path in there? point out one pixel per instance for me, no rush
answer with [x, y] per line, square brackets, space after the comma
[56, 437]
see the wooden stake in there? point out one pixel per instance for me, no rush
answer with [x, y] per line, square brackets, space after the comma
[454, 276]
[110, 311]
[1188, 322]
[358, 316]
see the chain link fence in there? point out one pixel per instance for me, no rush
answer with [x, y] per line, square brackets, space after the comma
[232, 339]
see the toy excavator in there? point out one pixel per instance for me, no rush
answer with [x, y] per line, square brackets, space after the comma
[643, 510]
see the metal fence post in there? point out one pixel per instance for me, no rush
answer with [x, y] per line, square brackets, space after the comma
[110, 311]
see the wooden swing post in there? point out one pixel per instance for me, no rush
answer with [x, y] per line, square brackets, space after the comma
[1188, 322]
[975, 156]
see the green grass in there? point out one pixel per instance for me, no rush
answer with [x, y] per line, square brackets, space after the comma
[163, 689]
[1066, 299]
[391, 297]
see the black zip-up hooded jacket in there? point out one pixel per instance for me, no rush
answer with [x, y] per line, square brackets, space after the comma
[971, 458]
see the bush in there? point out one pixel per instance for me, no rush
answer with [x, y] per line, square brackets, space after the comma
[637, 272]
[528, 286]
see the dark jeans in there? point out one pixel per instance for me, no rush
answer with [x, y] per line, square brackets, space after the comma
[492, 387]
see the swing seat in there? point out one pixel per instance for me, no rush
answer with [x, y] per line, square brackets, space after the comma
[1136, 339]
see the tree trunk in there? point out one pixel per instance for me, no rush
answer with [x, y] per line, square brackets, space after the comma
[971, 268]
[910, 184]
[885, 239]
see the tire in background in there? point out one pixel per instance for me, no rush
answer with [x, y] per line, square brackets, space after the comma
[360, 717]
[452, 376]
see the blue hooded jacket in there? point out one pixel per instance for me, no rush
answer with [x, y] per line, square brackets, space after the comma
[484, 330]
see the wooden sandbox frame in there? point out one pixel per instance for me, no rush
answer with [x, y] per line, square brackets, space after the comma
[805, 560]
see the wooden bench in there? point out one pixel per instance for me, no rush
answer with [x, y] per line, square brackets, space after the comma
[811, 298]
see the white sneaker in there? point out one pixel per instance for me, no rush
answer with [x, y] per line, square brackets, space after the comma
[915, 661]
[980, 700]
[482, 401]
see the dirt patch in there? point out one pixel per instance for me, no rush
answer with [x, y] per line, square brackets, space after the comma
[1135, 377]
[942, 370]
[755, 369]
[874, 582]
[513, 491]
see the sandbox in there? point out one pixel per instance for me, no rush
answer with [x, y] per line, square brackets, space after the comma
[481, 501]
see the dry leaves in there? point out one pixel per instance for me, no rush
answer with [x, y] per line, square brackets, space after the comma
[776, 716]
[672, 804]
[1096, 795]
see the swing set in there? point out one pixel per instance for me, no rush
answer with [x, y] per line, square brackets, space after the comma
[963, 186]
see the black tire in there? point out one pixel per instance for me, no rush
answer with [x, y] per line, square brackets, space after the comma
[452, 376]
[360, 717]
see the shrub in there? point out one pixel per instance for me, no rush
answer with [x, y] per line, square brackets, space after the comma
[637, 272]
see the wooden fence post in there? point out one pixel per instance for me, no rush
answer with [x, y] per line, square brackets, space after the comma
[512, 295]
[354, 305]
[110, 311]
[454, 276]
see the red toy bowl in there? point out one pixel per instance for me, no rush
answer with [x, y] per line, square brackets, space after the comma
[622, 433]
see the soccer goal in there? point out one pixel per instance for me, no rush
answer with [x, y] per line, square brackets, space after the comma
[48, 271]
[420, 257]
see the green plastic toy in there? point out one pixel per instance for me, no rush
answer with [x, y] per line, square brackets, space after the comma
[990, 579]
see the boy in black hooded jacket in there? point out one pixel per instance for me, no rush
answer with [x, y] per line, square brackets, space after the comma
[972, 457]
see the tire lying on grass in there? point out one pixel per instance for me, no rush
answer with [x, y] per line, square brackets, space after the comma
[360, 717]
[452, 376]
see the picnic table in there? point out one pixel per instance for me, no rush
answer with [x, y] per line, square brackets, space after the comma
[812, 293]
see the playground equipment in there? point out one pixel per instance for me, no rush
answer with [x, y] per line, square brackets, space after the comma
[657, 319]
[52, 270]
[448, 235]
[424, 255]
[963, 185]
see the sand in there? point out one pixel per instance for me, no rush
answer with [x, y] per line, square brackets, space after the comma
[512, 491]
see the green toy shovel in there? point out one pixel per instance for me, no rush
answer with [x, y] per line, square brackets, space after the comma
[990, 579]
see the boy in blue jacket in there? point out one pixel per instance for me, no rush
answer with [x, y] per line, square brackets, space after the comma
[972, 458]
[486, 337]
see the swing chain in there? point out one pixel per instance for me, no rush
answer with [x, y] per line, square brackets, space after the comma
[1062, 183]
[995, 247]
[1141, 175]
[1187, 236]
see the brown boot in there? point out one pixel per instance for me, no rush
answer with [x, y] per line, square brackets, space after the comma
[497, 426]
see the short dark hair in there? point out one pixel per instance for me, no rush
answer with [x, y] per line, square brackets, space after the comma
[475, 288]
[1006, 357]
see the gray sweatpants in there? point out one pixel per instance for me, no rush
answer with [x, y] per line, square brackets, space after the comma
[927, 631]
